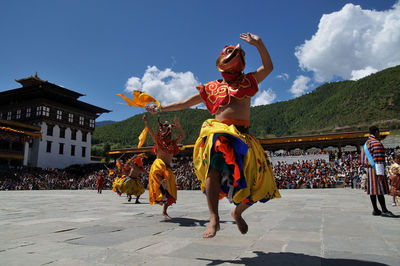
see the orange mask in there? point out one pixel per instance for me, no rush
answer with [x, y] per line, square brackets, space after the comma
[231, 59]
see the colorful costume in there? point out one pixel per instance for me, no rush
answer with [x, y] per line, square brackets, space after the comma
[127, 183]
[117, 184]
[377, 153]
[157, 194]
[100, 182]
[247, 175]
[227, 146]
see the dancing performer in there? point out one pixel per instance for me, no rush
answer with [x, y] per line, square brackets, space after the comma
[228, 160]
[130, 183]
[100, 182]
[162, 183]
[117, 176]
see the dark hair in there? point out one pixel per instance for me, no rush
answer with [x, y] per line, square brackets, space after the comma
[373, 130]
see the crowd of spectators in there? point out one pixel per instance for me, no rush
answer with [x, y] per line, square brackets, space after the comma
[344, 170]
[32, 178]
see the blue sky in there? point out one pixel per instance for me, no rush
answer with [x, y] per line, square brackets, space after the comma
[101, 48]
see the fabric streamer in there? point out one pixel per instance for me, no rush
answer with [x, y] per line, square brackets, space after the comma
[140, 99]
[142, 137]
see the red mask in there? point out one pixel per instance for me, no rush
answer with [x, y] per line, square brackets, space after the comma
[165, 130]
[138, 161]
[231, 59]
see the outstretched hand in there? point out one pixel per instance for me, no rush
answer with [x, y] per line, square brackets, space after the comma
[153, 109]
[250, 38]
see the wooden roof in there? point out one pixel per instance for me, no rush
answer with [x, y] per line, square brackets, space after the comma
[35, 88]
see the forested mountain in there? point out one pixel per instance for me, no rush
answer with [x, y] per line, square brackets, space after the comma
[103, 123]
[332, 107]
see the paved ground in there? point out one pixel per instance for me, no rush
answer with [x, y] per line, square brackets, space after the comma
[304, 227]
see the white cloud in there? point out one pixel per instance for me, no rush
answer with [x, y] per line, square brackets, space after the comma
[358, 74]
[283, 76]
[352, 41]
[164, 85]
[264, 97]
[300, 86]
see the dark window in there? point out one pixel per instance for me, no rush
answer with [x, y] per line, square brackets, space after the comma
[73, 134]
[84, 136]
[50, 130]
[70, 118]
[72, 150]
[61, 150]
[18, 116]
[83, 151]
[62, 132]
[38, 110]
[48, 148]
[28, 112]
[59, 114]
[46, 111]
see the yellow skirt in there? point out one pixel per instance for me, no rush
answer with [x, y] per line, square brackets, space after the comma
[254, 179]
[128, 185]
[158, 172]
[117, 184]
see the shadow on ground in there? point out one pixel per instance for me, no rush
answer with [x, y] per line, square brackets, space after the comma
[188, 221]
[288, 258]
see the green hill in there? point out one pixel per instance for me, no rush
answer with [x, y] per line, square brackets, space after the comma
[332, 107]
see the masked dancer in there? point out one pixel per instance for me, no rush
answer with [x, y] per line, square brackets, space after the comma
[228, 160]
[162, 183]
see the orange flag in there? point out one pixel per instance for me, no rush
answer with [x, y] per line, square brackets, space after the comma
[140, 99]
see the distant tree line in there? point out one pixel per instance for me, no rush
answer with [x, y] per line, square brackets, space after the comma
[332, 107]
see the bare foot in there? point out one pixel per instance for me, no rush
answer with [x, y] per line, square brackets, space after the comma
[212, 228]
[241, 224]
[166, 216]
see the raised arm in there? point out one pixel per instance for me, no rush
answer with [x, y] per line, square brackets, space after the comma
[266, 68]
[181, 132]
[175, 106]
[151, 132]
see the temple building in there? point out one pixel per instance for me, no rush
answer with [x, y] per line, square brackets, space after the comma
[66, 124]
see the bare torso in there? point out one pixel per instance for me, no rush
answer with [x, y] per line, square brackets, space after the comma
[164, 156]
[237, 109]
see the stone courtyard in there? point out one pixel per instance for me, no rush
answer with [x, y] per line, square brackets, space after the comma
[304, 227]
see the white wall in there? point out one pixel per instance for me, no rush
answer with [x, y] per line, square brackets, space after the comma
[56, 160]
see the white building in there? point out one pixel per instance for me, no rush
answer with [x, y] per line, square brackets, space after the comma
[66, 123]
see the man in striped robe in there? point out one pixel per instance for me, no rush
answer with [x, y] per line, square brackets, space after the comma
[373, 159]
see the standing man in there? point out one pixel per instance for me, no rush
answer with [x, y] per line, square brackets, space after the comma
[373, 158]
[162, 183]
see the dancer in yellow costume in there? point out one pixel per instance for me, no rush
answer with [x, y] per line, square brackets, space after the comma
[117, 172]
[162, 184]
[228, 160]
[130, 183]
